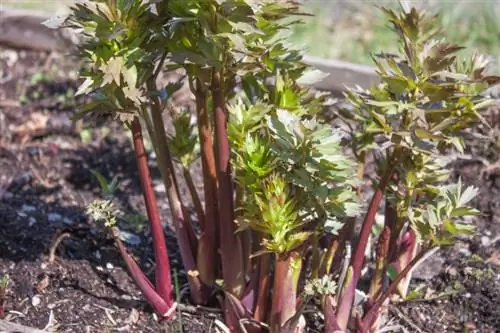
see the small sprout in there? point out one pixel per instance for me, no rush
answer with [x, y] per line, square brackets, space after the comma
[320, 286]
[86, 136]
[107, 188]
[103, 210]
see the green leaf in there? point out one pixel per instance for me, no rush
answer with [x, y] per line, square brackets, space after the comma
[311, 77]
[85, 87]
[392, 272]
[466, 196]
[425, 134]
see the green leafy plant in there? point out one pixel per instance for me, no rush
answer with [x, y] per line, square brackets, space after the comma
[280, 194]
[107, 188]
[4, 281]
[408, 122]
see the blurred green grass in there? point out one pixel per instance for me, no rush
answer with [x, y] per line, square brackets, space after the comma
[352, 30]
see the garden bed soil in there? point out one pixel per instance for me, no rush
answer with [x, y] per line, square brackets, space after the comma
[45, 183]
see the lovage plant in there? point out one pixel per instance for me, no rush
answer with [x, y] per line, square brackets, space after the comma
[275, 223]
[408, 123]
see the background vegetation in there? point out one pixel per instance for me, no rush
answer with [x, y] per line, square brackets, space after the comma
[351, 29]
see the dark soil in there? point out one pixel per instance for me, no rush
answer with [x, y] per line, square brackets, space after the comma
[45, 183]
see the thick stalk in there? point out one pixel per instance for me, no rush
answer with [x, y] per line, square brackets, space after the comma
[198, 207]
[331, 325]
[207, 260]
[165, 308]
[336, 250]
[262, 306]
[347, 297]
[394, 223]
[371, 315]
[231, 250]
[380, 263]
[377, 282]
[406, 251]
[185, 234]
[162, 270]
[167, 170]
[286, 279]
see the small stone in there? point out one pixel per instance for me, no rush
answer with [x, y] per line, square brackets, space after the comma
[67, 221]
[467, 295]
[43, 265]
[130, 238]
[98, 254]
[126, 297]
[21, 214]
[452, 271]
[99, 268]
[159, 188]
[465, 252]
[31, 221]
[35, 301]
[485, 241]
[28, 208]
[109, 265]
[54, 217]
[133, 317]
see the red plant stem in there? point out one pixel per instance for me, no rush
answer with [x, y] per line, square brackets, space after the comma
[331, 325]
[347, 297]
[194, 196]
[335, 252]
[371, 315]
[406, 252]
[3, 301]
[163, 307]
[380, 262]
[262, 306]
[185, 235]
[231, 249]
[167, 170]
[286, 278]
[391, 221]
[207, 260]
[162, 270]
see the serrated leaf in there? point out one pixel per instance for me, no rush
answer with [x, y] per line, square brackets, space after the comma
[85, 87]
[424, 134]
[469, 194]
[311, 77]
[130, 76]
[397, 85]
[55, 22]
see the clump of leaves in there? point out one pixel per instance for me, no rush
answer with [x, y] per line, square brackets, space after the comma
[409, 122]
